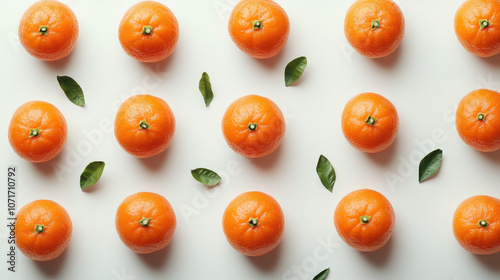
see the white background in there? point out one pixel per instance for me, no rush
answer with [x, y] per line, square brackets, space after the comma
[425, 79]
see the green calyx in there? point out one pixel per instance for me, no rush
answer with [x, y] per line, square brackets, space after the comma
[370, 120]
[483, 23]
[375, 24]
[34, 132]
[43, 30]
[39, 228]
[365, 219]
[481, 117]
[143, 124]
[252, 126]
[483, 223]
[147, 30]
[257, 24]
[253, 222]
[144, 222]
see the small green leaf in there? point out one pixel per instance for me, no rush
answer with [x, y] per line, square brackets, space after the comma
[429, 165]
[326, 173]
[206, 88]
[206, 176]
[294, 70]
[72, 90]
[322, 275]
[91, 174]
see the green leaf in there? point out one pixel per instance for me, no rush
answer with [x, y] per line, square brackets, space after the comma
[326, 173]
[206, 176]
[72, 90]
[206, 88]
[294, 70]
[429, 165]
[91, 174]
[322, 275]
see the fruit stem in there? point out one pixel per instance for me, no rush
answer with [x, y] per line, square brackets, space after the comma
[144, 222]
[483, 23]
[252, 126]
[481, 116]
[257, 24]
[370, 120]
[253, 222]
[39, 228]
[143, 124]
[365, 219]
[34, 132]
[375, 24]
[43, 30]
[483, 223]
[147, 30]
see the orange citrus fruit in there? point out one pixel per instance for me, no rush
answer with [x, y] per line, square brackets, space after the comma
[476, 225]
[370, 122]
[364, 219]
[259, 28]
[374, 28]
[48, 30]
[253, 126]
[476, 27]
[144, 125]
[37, 131]
[253, 223]
[145, 222]
[478, 120]
[43, 230]
[149, 31]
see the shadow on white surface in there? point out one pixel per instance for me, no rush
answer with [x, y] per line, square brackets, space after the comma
[60, 65]
[159, 68]
[269, 161]
[95, 187]
[391, 60]
[385, 157]
[494, 157]
[491, 262]
[268, 262]
[493, 61]
[157, 162]
[47, 168]
[159, 259]
[381, 257]
[53, 267]
[272, 63]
